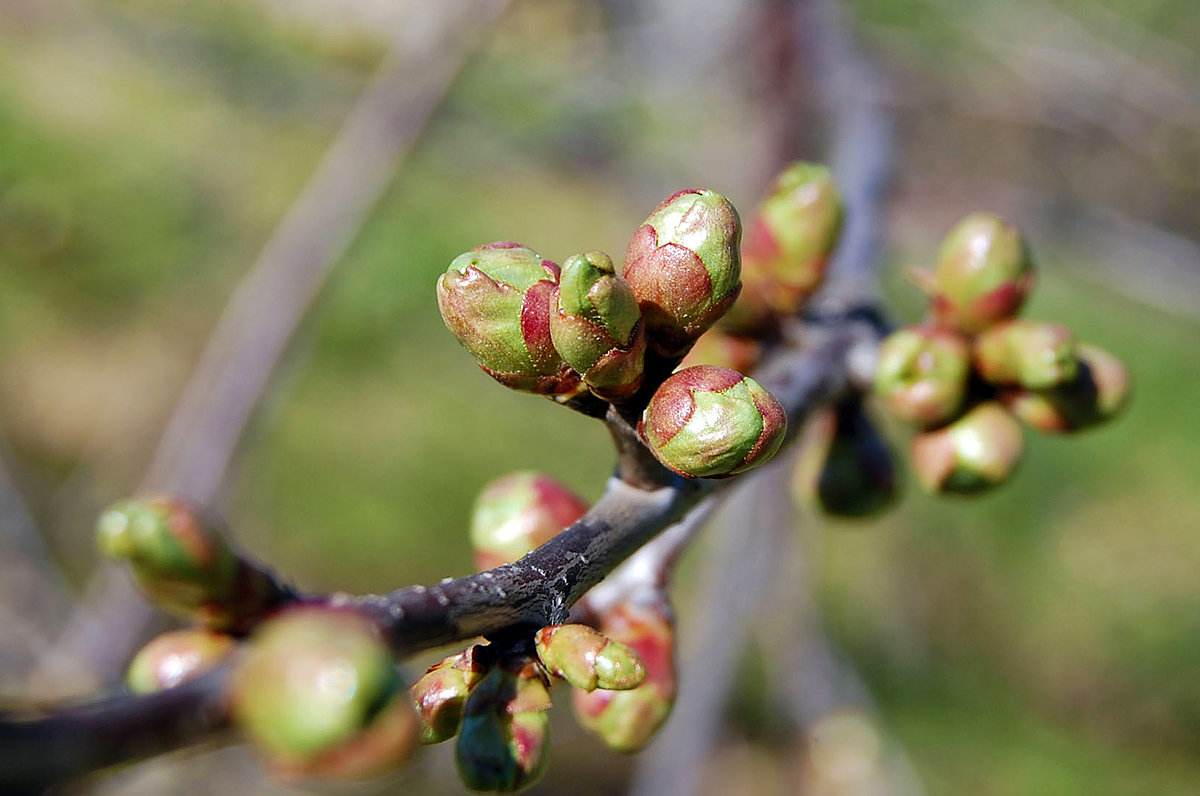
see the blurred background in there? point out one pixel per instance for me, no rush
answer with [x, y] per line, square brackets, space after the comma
[1045, 639]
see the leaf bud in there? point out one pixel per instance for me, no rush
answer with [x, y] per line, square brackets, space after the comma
[1098, 392]
[978, 451]
[724, 350]
[846, 468]
[520, 512]
[176, 657]
[710, 422]
[504, 743]
[587, 659]
[497, 300]
[684, 266]
[627, 720]
[597, 326]
[1032, 354]
[921, 374]
[442, 692]
[983, 275]
[318, 691]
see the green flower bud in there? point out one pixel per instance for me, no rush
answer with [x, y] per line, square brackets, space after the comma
[791, 236]
[684, 266]
[318, 689]
[845, 468]
[709, 422]
[724, 351]
[974, 453]
[175, 554]
[520, 512]
[597, 327]
[504, 743]
[441, 694]
[1098, 392]
[587, 659]
[175, 658]
[921, 374]
[497, 300]
[1029, 353]
[627, 720]
[983, 275]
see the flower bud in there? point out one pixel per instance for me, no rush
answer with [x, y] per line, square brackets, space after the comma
[441, 694]
[1098, 392]
[684, 266]
[845, 467]
[175, 658]
[597, 326]
[175, 554]
[497, 300]
[921, 374]
[1029, 353]
[504, 743]
[974, 453]
[983, 274]
[709, 422]
[587, 659]
[318, 690]
[724, 351]
[517, 513]
[627, 720]
[791, 236]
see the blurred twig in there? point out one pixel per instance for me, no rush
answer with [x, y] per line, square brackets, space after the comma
[203, 433]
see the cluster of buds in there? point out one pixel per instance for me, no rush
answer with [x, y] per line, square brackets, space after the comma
[845, 468]
[972, 369]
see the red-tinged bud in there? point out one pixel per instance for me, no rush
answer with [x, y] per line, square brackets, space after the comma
[921, 374]
[978, 451]
[597, 326]
[983, 275]
[441, 694]
[1097, 393]
[497, 300]
[846, 468]
[791, 236]
[520, 512]
[504, 743]
[587, 659]
[684, 265]
[627, 720]
[318, 692]
[724, 351]
[709, 422]
[175, 658]
[1032, 354]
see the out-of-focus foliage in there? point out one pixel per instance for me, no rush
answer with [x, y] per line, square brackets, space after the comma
[1042, 640]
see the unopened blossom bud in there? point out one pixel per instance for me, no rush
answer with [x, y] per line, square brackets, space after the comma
[518, 513]
[175, 553]
[319, 693]
[978, 451]
[723, 350]
[845, 468]
[441, 694]
[710, 422]
[504, 743]
[684, 265]
[791, 236]
[627, 720]
[497, 300]
[176, 657]
[1098, 392]
[587, 659]
[921, 374]
[597, 326]
[1032, 354]
[983, 273]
